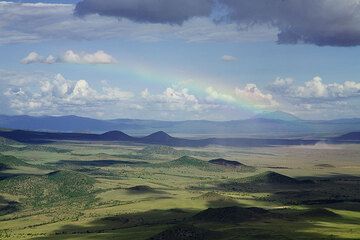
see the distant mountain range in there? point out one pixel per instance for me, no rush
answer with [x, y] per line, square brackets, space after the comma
[157, 138]
[162, 138]
[265, 125]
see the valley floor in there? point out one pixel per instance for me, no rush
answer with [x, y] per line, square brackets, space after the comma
[73, 190]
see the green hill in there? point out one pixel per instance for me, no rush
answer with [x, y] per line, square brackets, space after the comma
[211, 196]
[8, 162]
[6, 141]
[49, 189]
[318, 213]
[6, 144]
[231, 214]
[270, 177]
[231, 164]
[186, 161]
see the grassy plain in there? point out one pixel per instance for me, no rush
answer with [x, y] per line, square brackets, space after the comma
[70, 190]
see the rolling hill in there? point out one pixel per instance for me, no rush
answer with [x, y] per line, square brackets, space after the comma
[49, 189]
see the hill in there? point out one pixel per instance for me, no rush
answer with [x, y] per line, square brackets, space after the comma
[6, 141]
[267, 124]
[352, 136]
[186, 161]
[158, 138]
[270, 177]
[115, 136]
[230, 164]
[9, 162]
[50, 189]
[231, 214]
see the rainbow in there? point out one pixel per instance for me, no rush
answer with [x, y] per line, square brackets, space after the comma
[196, 85]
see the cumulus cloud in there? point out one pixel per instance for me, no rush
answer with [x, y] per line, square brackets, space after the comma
[252, 93]
[214, 94]
[228, 58]
[321, 22]
[316, 89]
[59, 95]
[32, 57]
[173, 99]
[99, 57]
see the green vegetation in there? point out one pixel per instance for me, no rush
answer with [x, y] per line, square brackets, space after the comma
[8, 162]
[231, 214]
[114, 191]
[50, 189]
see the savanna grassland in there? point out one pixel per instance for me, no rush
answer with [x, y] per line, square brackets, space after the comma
[74, 190]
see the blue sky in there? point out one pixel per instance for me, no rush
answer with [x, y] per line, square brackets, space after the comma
[107, 66]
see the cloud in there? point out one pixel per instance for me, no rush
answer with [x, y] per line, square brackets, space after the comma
[30, 22]
[250, 93]
[60, 96]
[321, 22]
[40, 93]
[217, 95]
[228, 58]
[316, 90]
[32, 57]
[253, 94]
[173, 100]
[153, 11]
[99, 57]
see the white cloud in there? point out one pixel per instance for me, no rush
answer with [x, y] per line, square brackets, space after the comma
[216, 95]
[229, 58]
[98, 57]
[32, 57]
[252, 93]
[172, 100]
[59, 95]
[316, 89]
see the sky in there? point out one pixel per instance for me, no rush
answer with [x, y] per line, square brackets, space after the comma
[180, 60]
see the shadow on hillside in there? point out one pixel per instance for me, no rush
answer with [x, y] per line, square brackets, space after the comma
[8, 207]
[147, 224]
[338, 190]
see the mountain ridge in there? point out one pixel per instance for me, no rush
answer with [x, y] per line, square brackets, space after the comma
[253, 127]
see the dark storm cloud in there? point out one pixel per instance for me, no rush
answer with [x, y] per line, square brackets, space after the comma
[319, 22]
[153, 11]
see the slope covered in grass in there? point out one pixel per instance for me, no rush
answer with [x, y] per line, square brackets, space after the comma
[270, 177]
[186, 161]
[49, 189]
[8, 162]
[231, 214]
